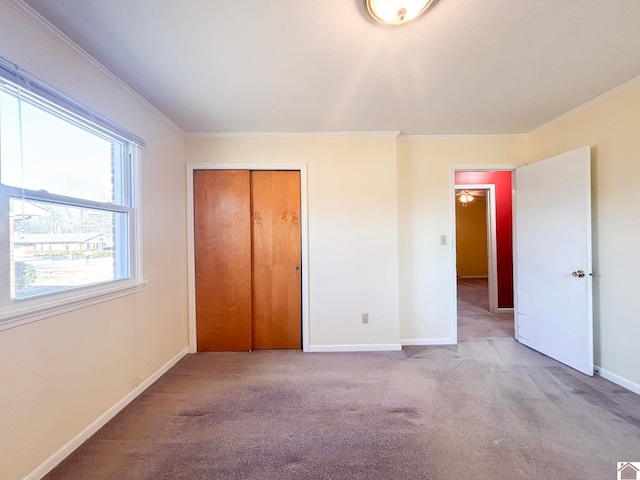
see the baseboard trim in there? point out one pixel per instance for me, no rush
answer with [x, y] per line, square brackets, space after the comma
[427, 341]
[617, 379]
[505, 309]
[365, 347]
[101, 421]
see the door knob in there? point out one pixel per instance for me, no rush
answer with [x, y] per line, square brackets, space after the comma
[297, 270]
[578, 273]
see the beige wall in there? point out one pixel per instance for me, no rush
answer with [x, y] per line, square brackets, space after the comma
[377, 208]
[60, 374]
[352, 215]
[611, 126]
[471, 238]
[425, 212]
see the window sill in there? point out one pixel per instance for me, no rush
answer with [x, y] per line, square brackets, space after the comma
[15, 317]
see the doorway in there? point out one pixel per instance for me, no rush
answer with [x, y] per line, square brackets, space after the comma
[483, 253]
[300, 270]
[552, 281]
[476, 249]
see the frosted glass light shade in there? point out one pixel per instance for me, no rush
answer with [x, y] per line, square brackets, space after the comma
[396, 12]
[465, 197]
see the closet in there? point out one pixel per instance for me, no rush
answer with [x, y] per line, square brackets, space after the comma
[247, 259]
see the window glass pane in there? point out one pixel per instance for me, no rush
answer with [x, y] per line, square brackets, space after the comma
[57, 156]
[55, 247]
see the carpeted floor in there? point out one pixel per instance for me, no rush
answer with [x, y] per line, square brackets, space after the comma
[475, 321]
[487, 408]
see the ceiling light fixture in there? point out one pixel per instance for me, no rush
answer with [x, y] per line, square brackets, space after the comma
[396, 12]
[465, 197]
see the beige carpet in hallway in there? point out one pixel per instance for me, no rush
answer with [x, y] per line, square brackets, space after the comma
[487, 408]
[475, 321]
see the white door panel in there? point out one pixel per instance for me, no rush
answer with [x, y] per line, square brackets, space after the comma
[552, 240]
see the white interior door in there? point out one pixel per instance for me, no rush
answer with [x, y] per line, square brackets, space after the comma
[552, 251]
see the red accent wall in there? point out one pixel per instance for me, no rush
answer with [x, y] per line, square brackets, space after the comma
[504, 236]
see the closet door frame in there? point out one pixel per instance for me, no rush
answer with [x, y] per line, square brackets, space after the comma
[191, 279]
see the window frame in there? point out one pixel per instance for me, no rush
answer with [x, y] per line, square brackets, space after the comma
[19, 311]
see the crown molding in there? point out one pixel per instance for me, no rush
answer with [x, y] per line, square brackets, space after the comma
[465, 137]
[590, 103]
[291, 134]
[74, 48]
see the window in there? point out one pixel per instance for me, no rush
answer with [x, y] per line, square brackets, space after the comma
[68, 203]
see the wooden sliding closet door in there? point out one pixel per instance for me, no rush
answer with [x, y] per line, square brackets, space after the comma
[276, 261]
[222, 237]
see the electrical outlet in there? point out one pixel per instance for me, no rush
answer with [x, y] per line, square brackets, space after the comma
[365, 318]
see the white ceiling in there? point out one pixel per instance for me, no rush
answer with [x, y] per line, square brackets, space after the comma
[466, 67]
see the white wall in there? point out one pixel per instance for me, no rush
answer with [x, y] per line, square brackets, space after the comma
[425, 203]
[353, 255]
[611, 126]
[60, 374]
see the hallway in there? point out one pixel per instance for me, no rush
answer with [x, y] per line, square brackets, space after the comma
[475, 321]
